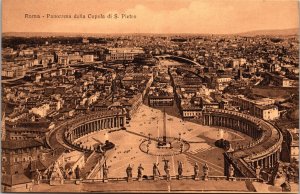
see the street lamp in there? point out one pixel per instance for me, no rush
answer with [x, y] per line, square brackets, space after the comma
[149, 139]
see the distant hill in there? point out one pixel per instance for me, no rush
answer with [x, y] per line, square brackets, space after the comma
[66, 34]
[283, 32]
[41, 34]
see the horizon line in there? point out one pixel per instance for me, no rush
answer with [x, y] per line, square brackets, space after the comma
[189, 33]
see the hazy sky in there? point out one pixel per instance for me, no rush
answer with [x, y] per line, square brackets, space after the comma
[152, 16]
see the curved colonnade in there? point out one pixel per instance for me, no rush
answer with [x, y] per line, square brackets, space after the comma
[264, 151]
[80, 127]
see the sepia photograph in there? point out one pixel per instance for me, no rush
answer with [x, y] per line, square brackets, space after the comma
[144, 96]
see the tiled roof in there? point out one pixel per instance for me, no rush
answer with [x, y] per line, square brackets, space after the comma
[25, 129]
[14, 179]
[37, 164]
[19, 144]
[52, 156]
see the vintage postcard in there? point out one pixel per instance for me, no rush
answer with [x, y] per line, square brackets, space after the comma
[150, 96]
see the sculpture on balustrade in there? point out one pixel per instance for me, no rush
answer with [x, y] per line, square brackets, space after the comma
[64, 173]
[38, 176]
[286, 187]
[231, 172]
[167, 169]
[77, 172]
[140, 172]
[290, 173]
[56, 177]
[129, 173]
[105, 172]
[280, 176]
[196, 171]
[69, 172]
[257, 172]
[156, 172]
[205, 172]
[180, 169]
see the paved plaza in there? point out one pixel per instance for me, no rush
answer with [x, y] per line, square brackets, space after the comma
[149, 120]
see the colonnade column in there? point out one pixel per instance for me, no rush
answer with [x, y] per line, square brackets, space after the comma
[124, 121]
[118, 122]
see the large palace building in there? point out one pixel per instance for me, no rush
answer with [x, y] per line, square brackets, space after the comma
[122, 54]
